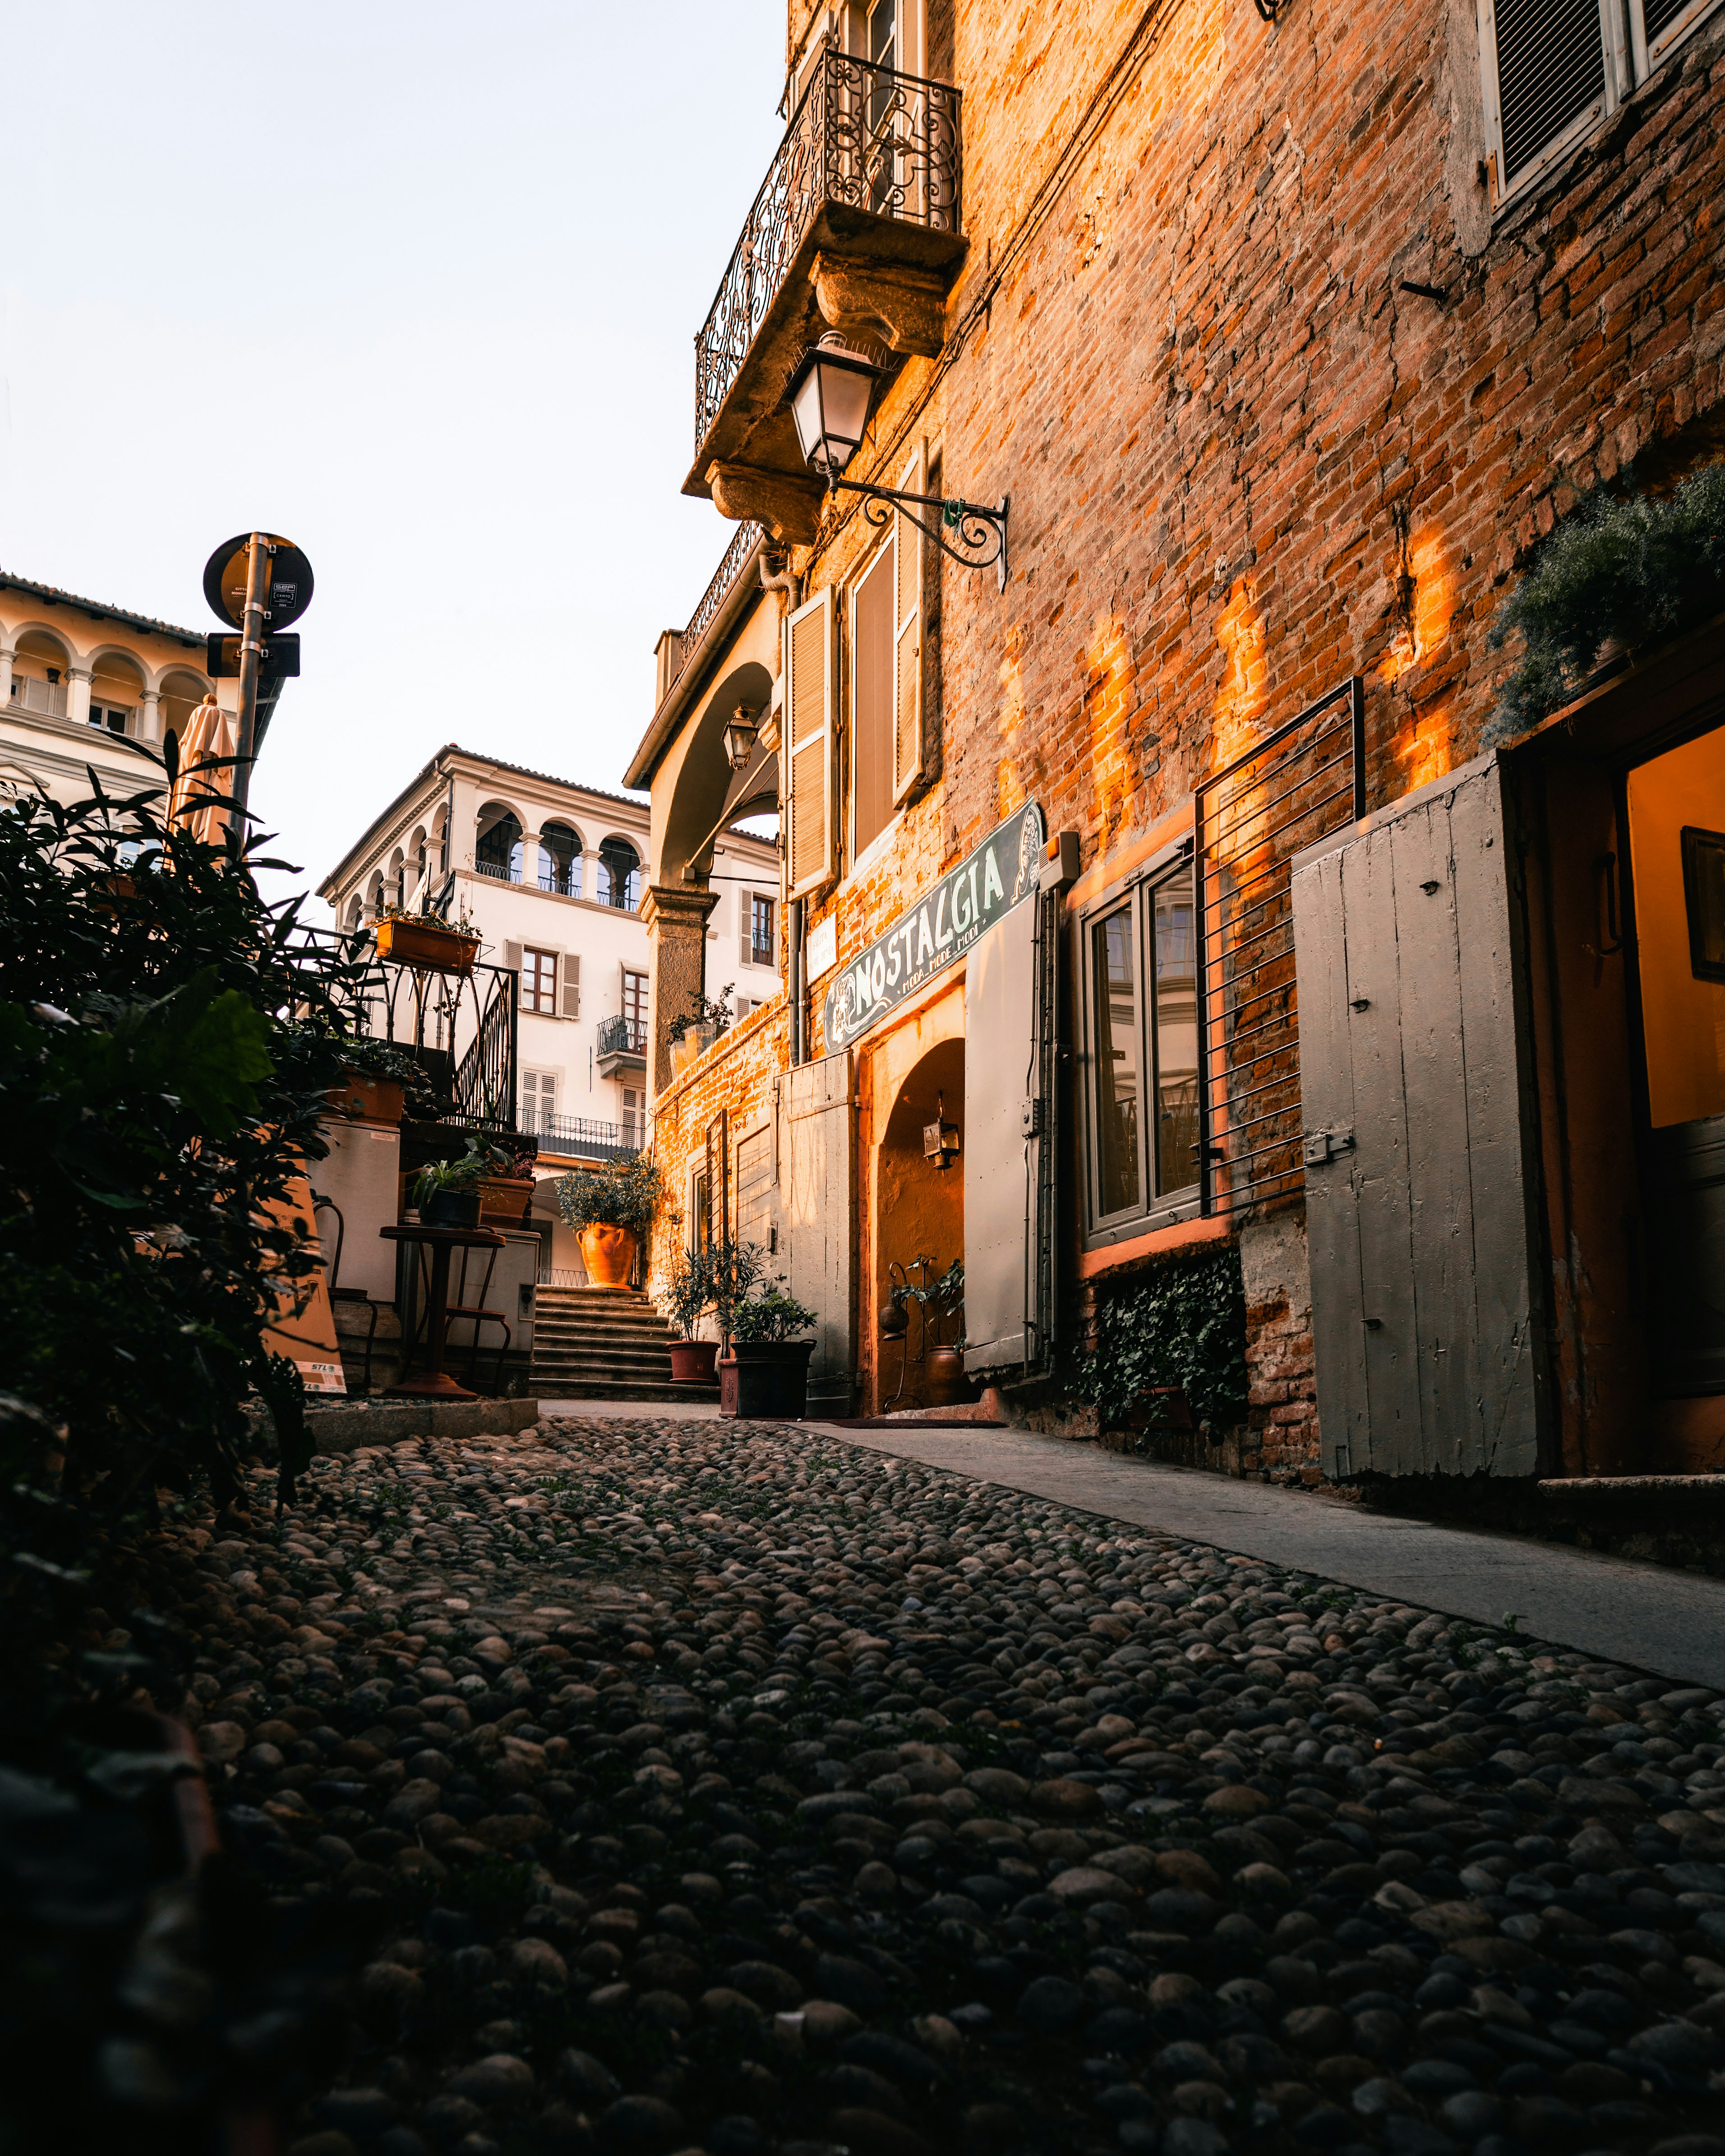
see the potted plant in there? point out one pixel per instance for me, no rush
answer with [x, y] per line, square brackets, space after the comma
[377, 1078]
[688, 1296]
[446, 1192]
[766, 1373]
[693, 1031]
[428, 942]
[506, 1188]
[611, 1209]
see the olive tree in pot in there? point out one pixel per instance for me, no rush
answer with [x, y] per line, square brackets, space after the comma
[688, 1297]
[766, 1373]
[611, 1209]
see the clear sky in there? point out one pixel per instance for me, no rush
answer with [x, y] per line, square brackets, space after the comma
[416, 285]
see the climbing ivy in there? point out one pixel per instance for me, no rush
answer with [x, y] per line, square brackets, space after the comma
[1181, 1324]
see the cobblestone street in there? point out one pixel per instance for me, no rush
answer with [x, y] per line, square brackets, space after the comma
[693, 1787]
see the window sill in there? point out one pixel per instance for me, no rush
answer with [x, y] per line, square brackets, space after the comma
[1149, 1236]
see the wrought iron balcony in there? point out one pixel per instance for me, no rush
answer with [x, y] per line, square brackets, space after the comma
[856, 227]
[580, 1138]
[622, 1046]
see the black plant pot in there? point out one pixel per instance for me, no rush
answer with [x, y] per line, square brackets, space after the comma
[765, 1380]
[451, 1209]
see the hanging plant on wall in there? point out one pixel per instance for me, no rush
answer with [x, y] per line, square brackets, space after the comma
[1631, 571]
[1181, 1326]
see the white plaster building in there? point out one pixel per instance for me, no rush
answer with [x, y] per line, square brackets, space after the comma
[552, 875]
[81, 682]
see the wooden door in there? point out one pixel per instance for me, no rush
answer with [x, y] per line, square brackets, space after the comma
[1415, 1124]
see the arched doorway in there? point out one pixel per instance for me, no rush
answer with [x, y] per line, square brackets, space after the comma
[917, 1210]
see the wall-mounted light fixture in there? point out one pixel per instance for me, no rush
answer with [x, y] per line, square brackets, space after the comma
[740, 731]
[939, 1138]
[831, 395]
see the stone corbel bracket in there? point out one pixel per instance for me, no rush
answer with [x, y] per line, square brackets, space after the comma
[788, 503]
[904, 305]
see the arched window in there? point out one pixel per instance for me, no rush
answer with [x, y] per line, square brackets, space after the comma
[499, 851]
[560, 861]
[618, 880]
[356, 911]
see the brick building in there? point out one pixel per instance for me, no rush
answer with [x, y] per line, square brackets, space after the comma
[1283, 342]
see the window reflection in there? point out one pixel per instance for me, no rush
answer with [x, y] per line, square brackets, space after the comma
[1116, 976]
[1176, 1035]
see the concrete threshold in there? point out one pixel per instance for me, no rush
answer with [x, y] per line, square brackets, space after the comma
[1667, 1622]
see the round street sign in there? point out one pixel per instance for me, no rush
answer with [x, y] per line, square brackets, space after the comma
[290, 582]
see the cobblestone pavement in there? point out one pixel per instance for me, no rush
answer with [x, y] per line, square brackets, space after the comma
[696, 1789]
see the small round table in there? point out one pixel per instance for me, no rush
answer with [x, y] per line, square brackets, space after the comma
[433, 1385]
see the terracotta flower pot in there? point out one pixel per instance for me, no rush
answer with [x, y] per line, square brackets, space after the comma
[365, 1100]
[693, 1361]
[609, 1253]
[431, 950]
[506, 1197]
[947, 1385]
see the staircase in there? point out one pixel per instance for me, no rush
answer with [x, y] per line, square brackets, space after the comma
[604, 1344]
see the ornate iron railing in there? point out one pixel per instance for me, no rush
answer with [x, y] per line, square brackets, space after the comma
[593, 1141]
[486, 1075]
[738, 554]
[863, 135]
[622, 1036]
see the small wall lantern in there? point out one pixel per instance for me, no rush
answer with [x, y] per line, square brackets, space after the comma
[939, 1138]
[740, 734]
[831, 395]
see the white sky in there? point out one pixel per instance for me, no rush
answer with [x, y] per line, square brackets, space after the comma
[460, 373]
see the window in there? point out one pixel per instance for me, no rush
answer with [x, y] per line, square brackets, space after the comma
[109, 716]
[539, 1100]
[635, 1008]
[701, 1210]
[499, 851]
[1142, 1044]
[539, 981]
[762, 950]
[617, 881]
[634, 1117]
[1552, 68]
[560, 861]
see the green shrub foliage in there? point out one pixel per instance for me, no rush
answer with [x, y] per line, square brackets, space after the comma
[154, 1101]
[620, 1197]
[1181, 1324]
[1632, 569]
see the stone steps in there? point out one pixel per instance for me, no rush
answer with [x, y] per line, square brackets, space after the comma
[597, 1345]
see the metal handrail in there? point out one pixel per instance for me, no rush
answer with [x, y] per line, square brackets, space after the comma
[743, 544]
[622, 1036]
[862, 135]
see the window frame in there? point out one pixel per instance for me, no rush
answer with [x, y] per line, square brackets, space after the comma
[761, 954]
[1153, 1209]
[1629, 60]
[529, 997]
[882, 561]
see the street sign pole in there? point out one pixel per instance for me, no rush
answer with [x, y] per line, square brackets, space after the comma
[251, 657]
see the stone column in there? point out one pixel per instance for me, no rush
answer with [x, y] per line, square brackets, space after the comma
[676, 917]
[530, 860]
[150, 717]
[6, 655]
[78, 695]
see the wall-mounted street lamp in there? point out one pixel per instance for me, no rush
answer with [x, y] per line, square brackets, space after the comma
[739, 733]
[939, 1138]
[832, 394]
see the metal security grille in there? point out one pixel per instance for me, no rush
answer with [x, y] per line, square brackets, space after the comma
[1300, 783]
[1660, 14]
[1551, 68]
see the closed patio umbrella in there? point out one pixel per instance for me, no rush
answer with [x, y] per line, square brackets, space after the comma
[209, 737]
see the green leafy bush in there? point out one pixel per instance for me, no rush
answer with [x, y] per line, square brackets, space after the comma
[688, 1294]
[1181, 1324]
[1633, 570]
[156, 1108]
[770, 1317]
[621, 1196]
[734, 1269]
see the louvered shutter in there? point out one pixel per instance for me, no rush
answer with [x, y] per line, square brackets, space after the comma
[746, 927]
[1544, 66]
[907, 645]
[808, 715]
[571, 987]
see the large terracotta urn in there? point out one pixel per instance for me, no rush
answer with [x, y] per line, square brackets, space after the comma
[609, 1253]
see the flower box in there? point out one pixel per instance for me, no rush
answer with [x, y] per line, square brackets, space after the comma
[426, 948]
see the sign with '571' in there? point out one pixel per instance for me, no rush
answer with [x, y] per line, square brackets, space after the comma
[938, 931]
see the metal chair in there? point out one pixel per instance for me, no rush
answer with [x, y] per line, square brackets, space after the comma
[319, 1204]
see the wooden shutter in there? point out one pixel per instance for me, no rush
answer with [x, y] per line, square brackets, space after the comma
[512, 957]
[809, 714]
[570, 986]
[1000, 1011]
[1413, 1096]
[746, 927]
[1545, 79]
[907, 644]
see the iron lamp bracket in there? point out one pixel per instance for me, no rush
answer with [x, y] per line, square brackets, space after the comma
[980, 533]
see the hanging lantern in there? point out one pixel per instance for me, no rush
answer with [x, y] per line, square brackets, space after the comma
[939, 1138]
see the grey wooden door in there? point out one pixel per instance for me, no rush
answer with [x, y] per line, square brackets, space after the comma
[1415, 1136]
[816, 1146]
[1000, 1076]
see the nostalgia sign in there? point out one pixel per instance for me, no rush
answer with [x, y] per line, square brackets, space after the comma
[938, 930]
